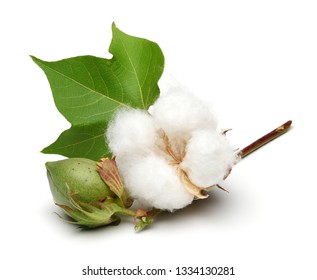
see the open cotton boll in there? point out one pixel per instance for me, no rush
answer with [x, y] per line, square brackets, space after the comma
[130, 131]
[152, 181]
[179, 113]
[209, 157]
[166, 158]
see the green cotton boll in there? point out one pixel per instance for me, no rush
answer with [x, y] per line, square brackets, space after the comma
[76, 177]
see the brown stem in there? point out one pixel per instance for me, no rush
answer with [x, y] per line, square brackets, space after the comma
[265, 139]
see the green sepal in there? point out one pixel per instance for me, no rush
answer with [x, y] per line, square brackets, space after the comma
[90, 216]
[143, 223]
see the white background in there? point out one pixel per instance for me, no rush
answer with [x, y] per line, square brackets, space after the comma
[255, 60]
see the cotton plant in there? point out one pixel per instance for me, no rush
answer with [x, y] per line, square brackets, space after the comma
[133, 150]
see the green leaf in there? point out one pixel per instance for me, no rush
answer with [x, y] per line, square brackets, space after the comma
[87, 90]
[87, 140]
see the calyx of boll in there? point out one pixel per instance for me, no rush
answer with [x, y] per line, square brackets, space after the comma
[80, 191]
[109, 173]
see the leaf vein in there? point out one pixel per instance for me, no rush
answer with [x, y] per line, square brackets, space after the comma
[87, 88]
[72, 145]
[134, 71]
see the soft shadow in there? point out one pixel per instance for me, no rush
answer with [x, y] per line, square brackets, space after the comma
[199, 209]
[208, 209]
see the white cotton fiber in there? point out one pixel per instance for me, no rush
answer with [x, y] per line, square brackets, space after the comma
[209, 157]
[153, 182]
[131, 131]
[164, 156]
[179, 113]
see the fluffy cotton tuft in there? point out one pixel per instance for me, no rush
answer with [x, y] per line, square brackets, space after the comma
[179, 113]
[152, 181]
[167, 157]
[131, 131]
[209, 158]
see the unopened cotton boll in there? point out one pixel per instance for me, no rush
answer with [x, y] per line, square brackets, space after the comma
[153, 182]
[209, 158]
[131, 131]
[179, 113]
